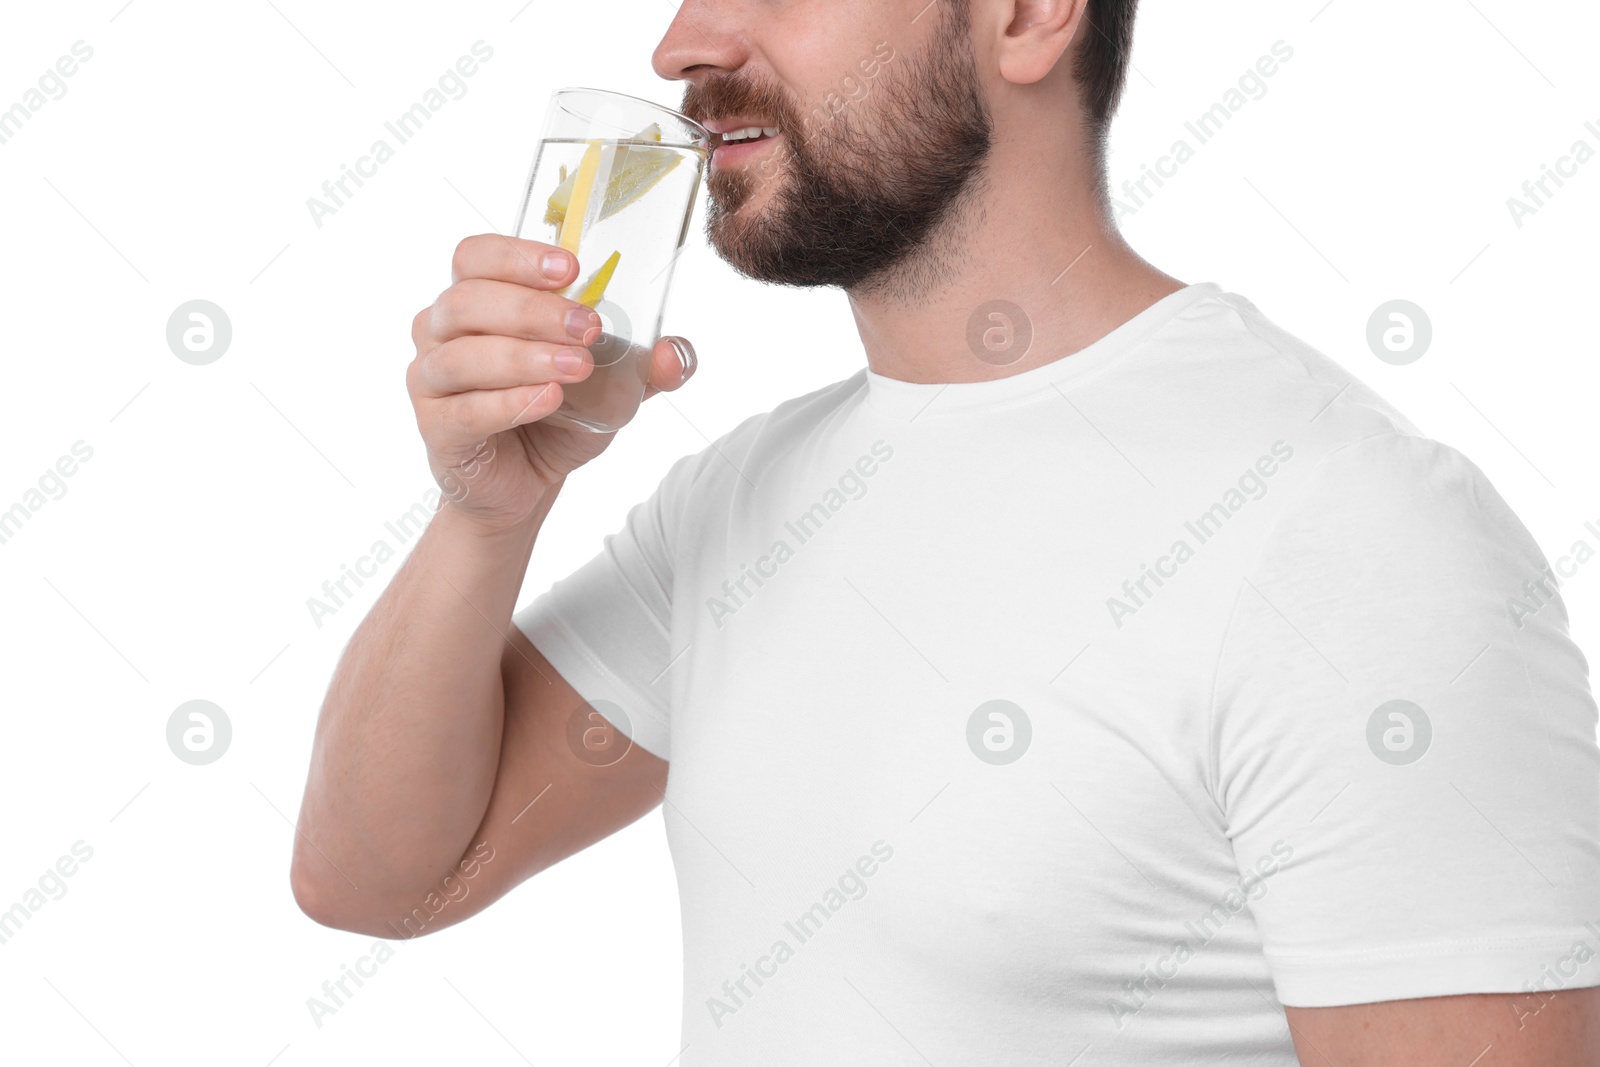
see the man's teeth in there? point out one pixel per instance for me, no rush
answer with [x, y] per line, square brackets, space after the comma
[749, 132]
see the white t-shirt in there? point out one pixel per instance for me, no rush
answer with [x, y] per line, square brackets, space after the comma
[1090, 714]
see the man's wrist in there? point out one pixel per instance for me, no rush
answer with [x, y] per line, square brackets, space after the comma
[462, 522]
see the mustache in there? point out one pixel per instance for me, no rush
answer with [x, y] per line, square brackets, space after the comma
[723, 96]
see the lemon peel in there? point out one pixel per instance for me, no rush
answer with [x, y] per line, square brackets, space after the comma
[596, 287]
[578, 206]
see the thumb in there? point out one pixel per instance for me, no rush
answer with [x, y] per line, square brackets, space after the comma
[673, 363]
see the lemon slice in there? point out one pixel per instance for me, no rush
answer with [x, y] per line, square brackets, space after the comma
[596, 287]
[635, 170]
[643, 170]
[578, 198]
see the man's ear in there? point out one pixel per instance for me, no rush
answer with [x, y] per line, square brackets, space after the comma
[1037, 35]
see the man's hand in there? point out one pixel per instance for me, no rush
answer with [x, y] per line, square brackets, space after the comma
[487, 371]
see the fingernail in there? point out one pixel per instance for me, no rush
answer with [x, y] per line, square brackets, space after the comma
[686, 356]
[580, 321]
[554, 264]
[569, 360]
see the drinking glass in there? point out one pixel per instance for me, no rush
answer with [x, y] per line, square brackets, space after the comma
[614, 182]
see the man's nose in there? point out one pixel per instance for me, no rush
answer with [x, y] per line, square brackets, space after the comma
[705, 36]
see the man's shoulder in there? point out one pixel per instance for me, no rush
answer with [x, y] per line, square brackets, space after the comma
[1227, 362]
[1227, 383]
[1223, 379]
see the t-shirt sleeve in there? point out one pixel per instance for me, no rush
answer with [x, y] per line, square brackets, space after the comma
[607, 626]
[1405, 740]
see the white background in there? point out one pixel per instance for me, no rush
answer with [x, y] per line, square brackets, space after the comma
[219, 498]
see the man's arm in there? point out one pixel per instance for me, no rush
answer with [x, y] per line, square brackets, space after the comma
[1544, 1029]
[443, 726]
[442, 776]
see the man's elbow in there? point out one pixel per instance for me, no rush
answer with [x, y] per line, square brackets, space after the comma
[336, 910]
[330, 909]
[309, 897]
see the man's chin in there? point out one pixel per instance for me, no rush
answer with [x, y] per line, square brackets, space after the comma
[739, 251]
[744, 248]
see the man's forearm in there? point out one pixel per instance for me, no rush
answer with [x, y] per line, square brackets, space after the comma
[407, 745]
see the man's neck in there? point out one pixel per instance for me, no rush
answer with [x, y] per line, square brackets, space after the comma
[1044, 247]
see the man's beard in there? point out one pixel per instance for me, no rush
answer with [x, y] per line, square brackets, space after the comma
[858, 194]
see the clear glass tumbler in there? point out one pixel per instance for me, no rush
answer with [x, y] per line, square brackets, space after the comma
[614, 182]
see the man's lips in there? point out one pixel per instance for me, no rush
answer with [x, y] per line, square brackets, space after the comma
[737, 122]
[725, 153]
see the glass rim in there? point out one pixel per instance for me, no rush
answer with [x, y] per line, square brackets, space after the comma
[680, 116]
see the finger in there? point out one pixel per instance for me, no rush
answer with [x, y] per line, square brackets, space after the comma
[512, 259]
[422, 329]
[495, 362]
[485, 306]
[672, 362]
[462, 421]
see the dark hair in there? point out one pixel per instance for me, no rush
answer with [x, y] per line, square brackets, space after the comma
[1101, 64]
